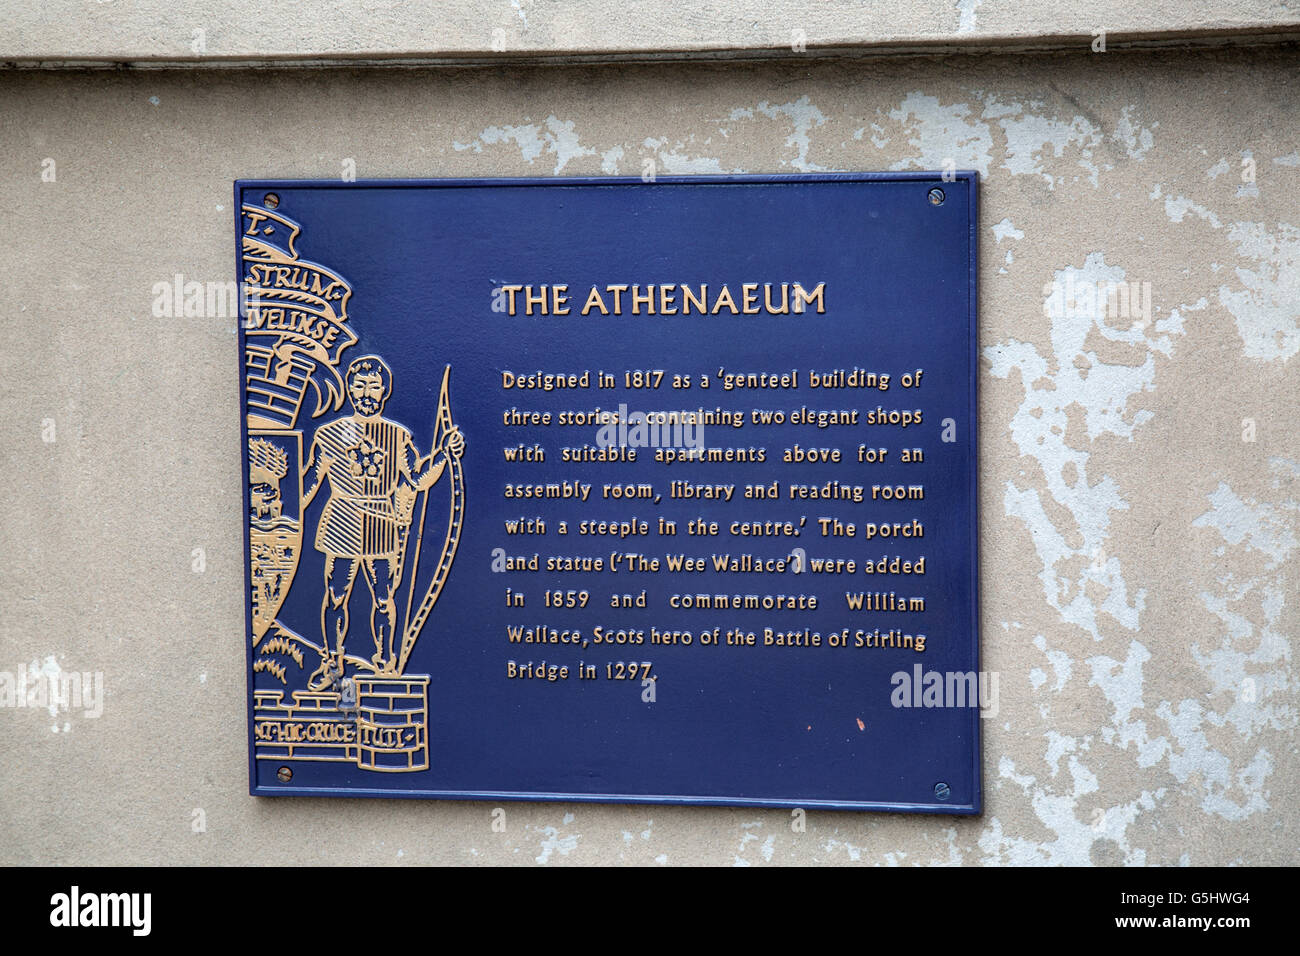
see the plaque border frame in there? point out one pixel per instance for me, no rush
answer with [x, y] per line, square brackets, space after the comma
[969, 179]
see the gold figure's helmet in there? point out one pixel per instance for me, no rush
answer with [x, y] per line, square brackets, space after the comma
[369, 381]
[266, 466]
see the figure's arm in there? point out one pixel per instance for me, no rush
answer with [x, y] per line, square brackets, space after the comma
[313, 474]
[425, 472]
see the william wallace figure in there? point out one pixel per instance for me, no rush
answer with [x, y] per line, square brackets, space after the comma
[374, 472]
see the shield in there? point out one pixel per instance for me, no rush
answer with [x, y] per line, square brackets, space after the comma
[274, 520]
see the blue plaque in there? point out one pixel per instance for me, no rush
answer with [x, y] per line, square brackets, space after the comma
[613, 490]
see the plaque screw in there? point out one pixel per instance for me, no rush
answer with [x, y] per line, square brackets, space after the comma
[284, 775]
[936, 196]
[272, 200]
[941, 791]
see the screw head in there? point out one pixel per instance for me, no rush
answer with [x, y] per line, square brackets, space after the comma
[284, 775]
[271, 201]
[941, 791]
[936, 196]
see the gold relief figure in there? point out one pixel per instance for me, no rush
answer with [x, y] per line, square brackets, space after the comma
[374, 472]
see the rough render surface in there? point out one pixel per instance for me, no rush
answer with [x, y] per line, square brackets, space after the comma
[1140, 474]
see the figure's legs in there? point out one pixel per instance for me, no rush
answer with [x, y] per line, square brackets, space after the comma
[340, 574]
[383, 612]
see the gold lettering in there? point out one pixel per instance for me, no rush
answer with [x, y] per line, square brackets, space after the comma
[617, 292]
[530, 300]
[594, 299]
[724, 298]
[647, 299]
[666, 295]
[785, 299]
[802, 297]
[560, 300]
[700, 301]
[510, 291]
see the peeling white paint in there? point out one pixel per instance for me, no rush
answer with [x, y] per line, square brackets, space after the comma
[967, 9]
[1263, 527]
[766, 847]
[1248, 669]
[1059, 813]
[1136, 139]
[942, 133]
[804, 116]
[1058, 745]
[1213, 768]
[557, 138]
[1121, 684]
[955, 854]
[1060, 661]
[947, 133]
[854, 852]
[1075, 380]
[1267, 307]
[1029, 135]
[609, 160]
[1250, 672]
[677, 163]
[552, 842]
[1177, 210]
[1071, 378]
[1006, 230]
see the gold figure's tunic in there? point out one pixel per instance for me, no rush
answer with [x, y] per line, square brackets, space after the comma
[367, 461]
